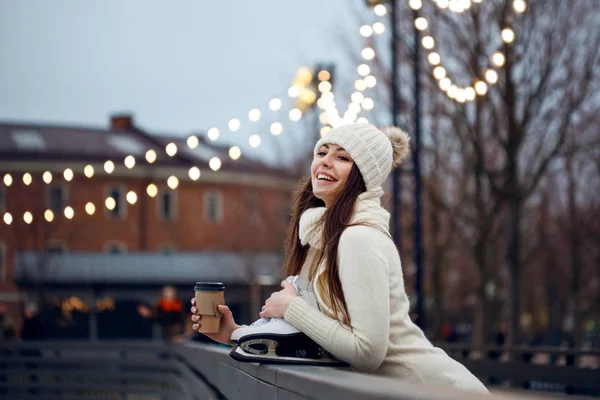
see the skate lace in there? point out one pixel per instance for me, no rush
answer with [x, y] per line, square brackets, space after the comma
[260, 322]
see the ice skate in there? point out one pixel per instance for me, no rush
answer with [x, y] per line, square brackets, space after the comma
[275, 341]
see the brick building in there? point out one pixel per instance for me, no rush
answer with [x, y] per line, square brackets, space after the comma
[132, 230]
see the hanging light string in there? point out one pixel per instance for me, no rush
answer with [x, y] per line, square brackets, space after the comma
[479, 85]
[359, 102]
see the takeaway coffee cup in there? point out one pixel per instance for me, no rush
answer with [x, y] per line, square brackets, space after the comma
[208, 296]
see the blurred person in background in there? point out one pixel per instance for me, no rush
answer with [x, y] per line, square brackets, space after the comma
[32, 328]
[169, 314]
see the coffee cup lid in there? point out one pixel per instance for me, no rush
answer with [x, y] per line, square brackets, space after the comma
[209, 286]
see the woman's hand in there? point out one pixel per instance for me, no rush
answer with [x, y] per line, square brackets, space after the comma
[278, 303]
[226, 327]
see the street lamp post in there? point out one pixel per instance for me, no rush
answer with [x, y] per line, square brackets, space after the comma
[417, 177]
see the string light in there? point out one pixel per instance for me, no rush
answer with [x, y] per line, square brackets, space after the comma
[428, 42]
[68, 174]
[366, 31]
[194, 173]
[90, 208]
[150, 156]
[498, 59]
[28, 217]
[27, 179]
[47, 177]
[109, 167]
[415, 4]
[8, 218]
[254, 115]
[508, 35]
[467, 93]
[213, 134]
[69, 212]
[276, 128]
[368, 53]
[129, 162]
[49, 215]
[171, 149]
[294, 91]
[421, 23]
[275, 104]
[519, 6]
[491, 76]
[367, 104]
[214, 163]
[8, 180]
[173, 182]
[378, 28]
[380, 10]
[235, 153]
[234, 124]
[110, 203]
[370, 81]
[295, 114]
[192, 142]
[88, 171]
[254, 141]
[131, 197]
[152, 190]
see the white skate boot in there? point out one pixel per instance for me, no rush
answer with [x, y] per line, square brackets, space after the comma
[273, 340]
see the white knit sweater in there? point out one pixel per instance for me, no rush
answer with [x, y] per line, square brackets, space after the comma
[382, 339]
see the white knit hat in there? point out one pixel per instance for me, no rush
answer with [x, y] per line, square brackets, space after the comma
[374, 151]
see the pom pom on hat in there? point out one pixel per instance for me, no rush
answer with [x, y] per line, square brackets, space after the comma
[400, 144]
[374, 151]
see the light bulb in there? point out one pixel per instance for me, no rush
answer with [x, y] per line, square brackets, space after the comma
[171, 149]
[214, 163]
[150, 156]
[88, 171]
[129, 162]
[194, 173]
[235, 153]
[109, 167]
[213, 134]
[193, 142]
[234, 124]
[173, 182]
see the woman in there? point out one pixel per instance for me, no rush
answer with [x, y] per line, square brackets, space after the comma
[339, 240]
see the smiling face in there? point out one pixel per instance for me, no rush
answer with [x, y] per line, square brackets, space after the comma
[329, 172]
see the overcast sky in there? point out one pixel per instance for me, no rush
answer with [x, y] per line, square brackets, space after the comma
[178, 66]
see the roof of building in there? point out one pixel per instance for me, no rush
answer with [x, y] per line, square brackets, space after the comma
[39, 142]
[147, 268]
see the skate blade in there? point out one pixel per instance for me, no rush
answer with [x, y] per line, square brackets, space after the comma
[265, 336]
[270, 357]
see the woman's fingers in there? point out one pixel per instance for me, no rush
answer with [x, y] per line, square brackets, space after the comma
[196, 318]
[196, 327]
[194, 310]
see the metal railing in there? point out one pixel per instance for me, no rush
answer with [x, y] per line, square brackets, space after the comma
[194, 371]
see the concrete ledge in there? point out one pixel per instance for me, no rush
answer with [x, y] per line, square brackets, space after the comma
[235, 380]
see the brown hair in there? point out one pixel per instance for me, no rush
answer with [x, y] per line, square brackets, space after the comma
[336, 219]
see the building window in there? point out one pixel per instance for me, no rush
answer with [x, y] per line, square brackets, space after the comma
[2, 261]
[251, 201]
[213, 207]
[55, 247]
[2, 199]
[167, 205]
[115, 247]
[117, 192]
[56, 197]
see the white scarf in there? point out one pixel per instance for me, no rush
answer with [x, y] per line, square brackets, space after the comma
[367, 211]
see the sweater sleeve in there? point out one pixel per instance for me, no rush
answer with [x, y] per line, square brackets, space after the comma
[364, 275]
